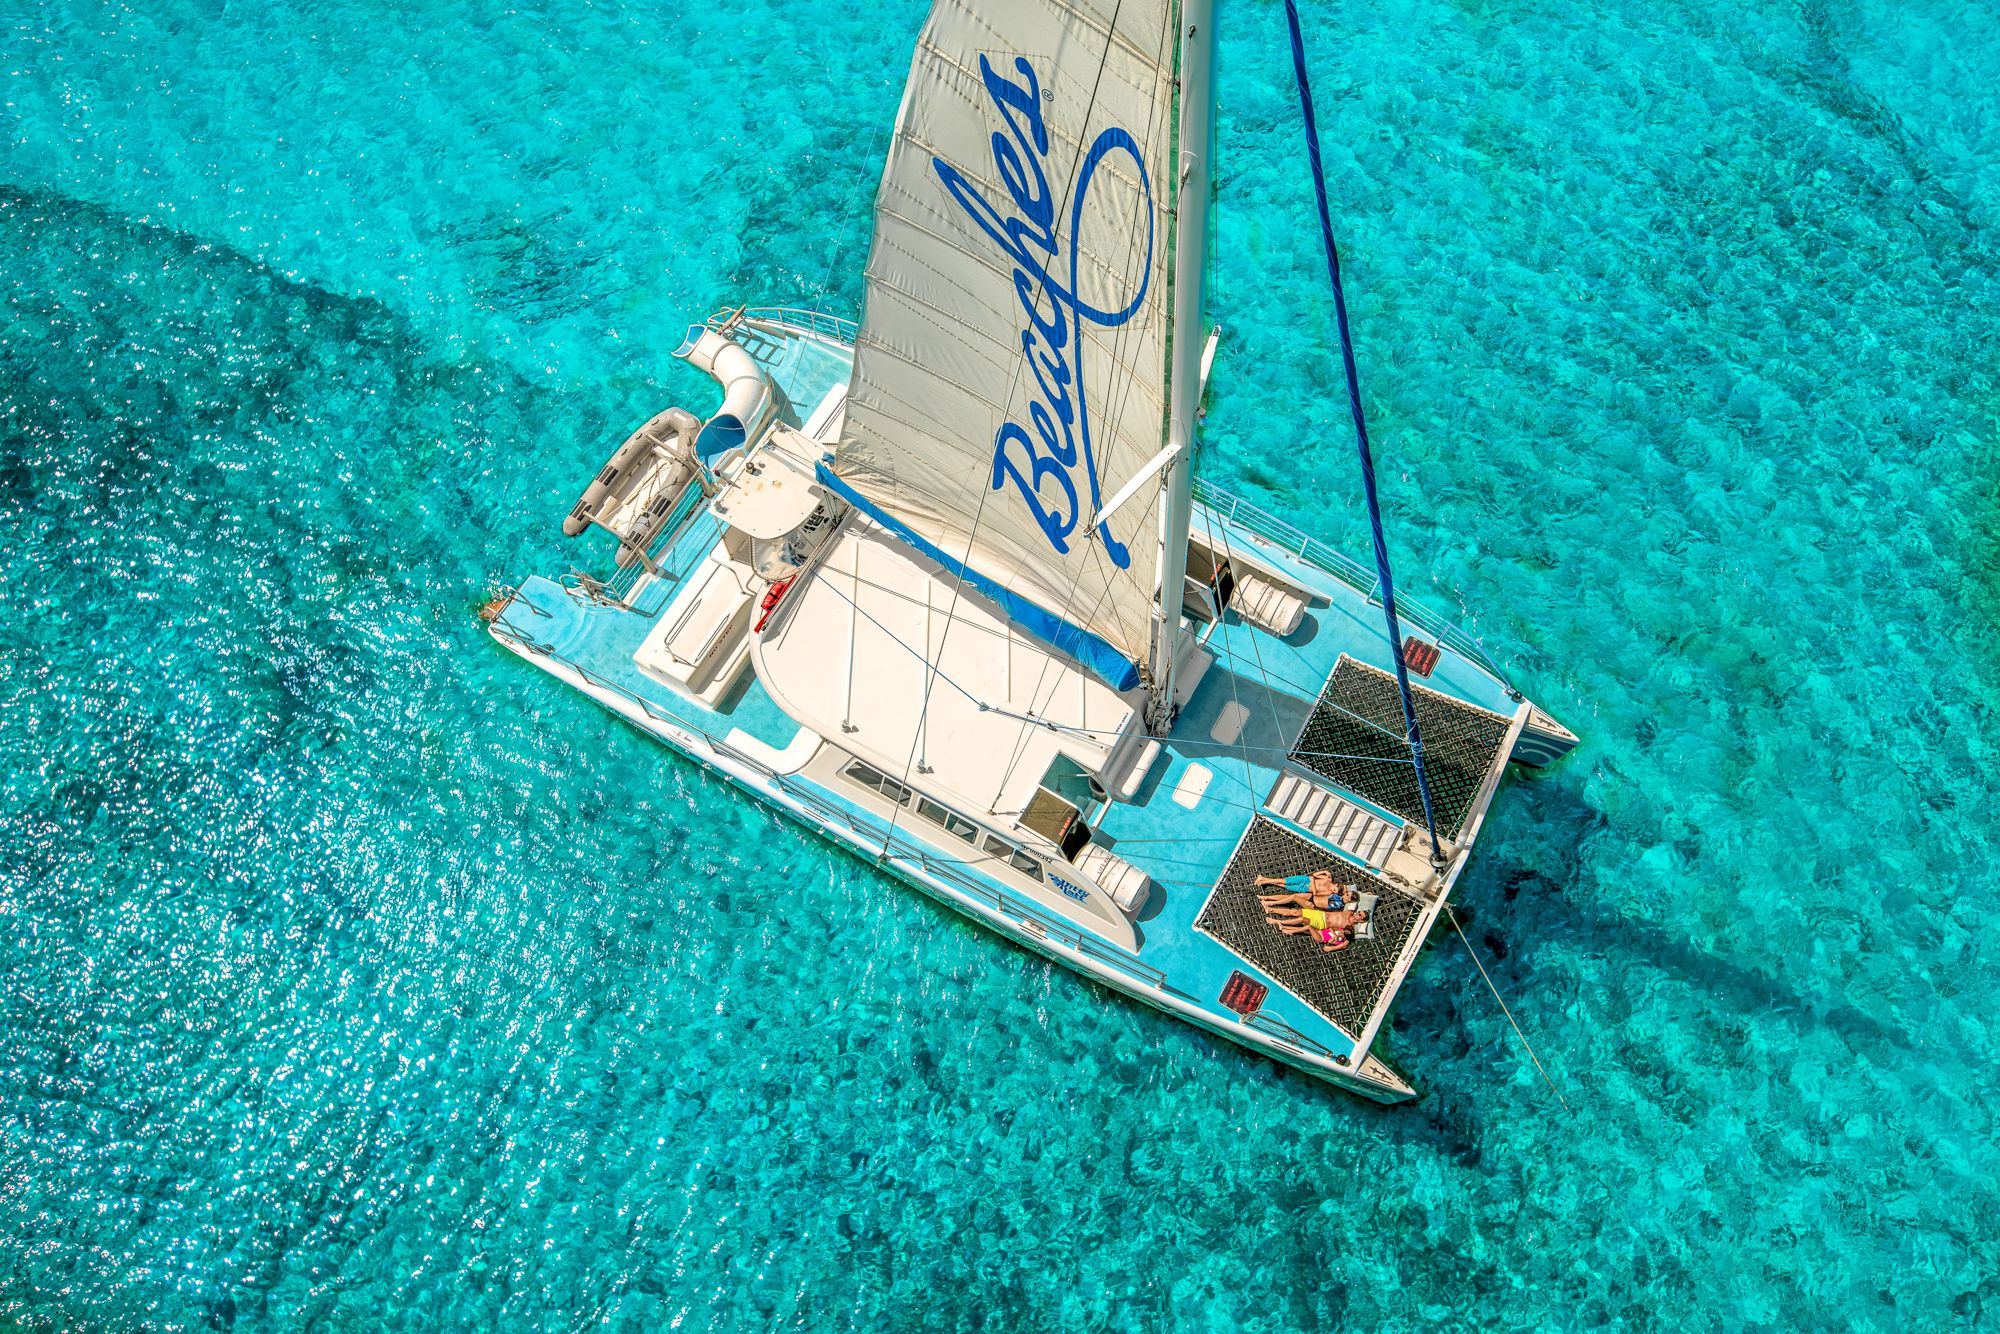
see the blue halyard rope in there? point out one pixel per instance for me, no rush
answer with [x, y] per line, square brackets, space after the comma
[1361, 427]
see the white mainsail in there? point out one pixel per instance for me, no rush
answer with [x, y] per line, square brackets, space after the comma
[1011, 374]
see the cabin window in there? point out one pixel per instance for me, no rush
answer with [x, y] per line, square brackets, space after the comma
[947, 818]
[874, 778]
[954, 823]
[1013, 856]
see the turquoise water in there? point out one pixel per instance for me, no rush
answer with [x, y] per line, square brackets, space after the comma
[359, 976]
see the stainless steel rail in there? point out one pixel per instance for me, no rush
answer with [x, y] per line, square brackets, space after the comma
[1285, 1033]
[1351, 572]
[907, 853]
[796, 317]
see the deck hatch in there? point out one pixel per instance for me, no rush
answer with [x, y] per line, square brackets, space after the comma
[1420, 656]
[1242, 994]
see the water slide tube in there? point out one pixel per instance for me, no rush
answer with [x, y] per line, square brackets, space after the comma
[745, 391]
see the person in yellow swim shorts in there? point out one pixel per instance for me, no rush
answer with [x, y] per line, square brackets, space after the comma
[1313, 905]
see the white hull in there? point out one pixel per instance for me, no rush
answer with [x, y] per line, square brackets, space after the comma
[911, 864]
[789, 644]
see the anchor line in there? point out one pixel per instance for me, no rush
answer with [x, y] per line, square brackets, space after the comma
[1526, 1045]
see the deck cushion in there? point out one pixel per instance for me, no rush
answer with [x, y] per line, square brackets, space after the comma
[700, 625]
[1127, 885]
[1268, 606]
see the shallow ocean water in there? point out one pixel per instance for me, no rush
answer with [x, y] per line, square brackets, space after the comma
[359, 976]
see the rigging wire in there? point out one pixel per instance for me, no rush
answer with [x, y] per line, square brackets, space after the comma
[1527, 1045]
[979, 511]
[1071, 729]
[1229, 557]
[930, 659]
[1236, 699]
[1223, 623]
[1416, 739]
[860, 197]
[1114, 420]
[1375, 513]
[1252, 806]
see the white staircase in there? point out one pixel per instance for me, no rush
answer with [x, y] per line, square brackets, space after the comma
[1332, 817]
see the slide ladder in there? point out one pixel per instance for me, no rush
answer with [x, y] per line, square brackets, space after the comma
[1351, 828]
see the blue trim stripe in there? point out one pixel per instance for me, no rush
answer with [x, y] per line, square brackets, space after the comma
[1092, 651]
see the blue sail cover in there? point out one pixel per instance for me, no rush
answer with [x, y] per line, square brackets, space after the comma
[1095, 653]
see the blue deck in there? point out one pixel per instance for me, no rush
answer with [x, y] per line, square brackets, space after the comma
[1185, 850]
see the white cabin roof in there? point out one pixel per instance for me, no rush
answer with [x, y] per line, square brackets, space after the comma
[850, 657]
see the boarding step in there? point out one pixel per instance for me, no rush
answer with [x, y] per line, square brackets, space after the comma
[1351, 828]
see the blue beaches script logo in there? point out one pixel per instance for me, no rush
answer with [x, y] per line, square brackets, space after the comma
[1042, 465]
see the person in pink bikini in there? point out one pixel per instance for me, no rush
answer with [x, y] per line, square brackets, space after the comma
[1313, 905]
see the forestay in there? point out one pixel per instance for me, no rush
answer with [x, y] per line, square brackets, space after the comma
[1011, 371]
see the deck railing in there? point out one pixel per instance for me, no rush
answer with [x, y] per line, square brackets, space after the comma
[910, 854]
[1349, 571]
[616, 591]
[797, 317]
[1241, 512]
[1284, 1032]
[685, 511]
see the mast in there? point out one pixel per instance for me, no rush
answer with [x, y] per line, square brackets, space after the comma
[1196, 111]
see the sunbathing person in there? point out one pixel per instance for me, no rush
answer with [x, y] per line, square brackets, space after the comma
[1314, 891]
[1331, 927]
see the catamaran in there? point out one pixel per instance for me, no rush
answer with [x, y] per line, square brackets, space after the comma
[945, 587]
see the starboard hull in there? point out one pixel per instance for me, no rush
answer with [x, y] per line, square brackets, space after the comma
[912, 865]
